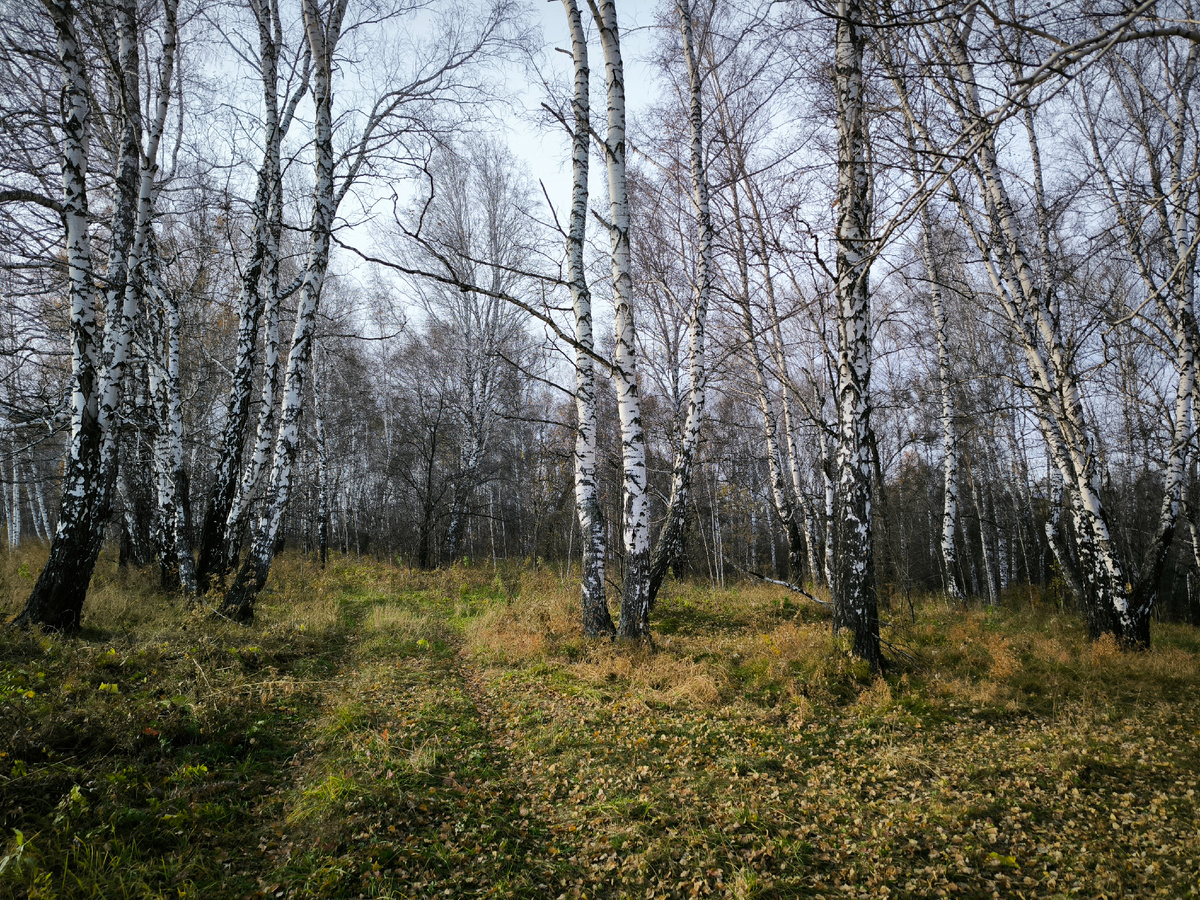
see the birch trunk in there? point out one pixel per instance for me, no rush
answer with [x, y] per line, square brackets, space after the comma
[268, 406]
[854, 599]
[949, 438]
[827, 483]
[596, 618]
[670, 539]
[4, 497]
[37, 520]
[1162, 186]
[1112, 606]
[175, 547]
[788, 505]
[213, 561]
[14, 517]
[322, 465]
[985, 540]
[40, 494]
[322, 39]
[635, 589]
[97, 363]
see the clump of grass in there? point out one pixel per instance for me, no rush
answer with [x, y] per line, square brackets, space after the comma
[542, 621]
[18, 571]
[135, 756]
[655, 677]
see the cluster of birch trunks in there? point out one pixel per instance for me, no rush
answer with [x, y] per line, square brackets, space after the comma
[900, 298]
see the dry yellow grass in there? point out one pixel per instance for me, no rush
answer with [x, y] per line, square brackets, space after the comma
[656, 677]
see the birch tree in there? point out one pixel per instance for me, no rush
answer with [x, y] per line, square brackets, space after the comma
[1140, 118]
[635, 515]
[99, 358]
[933, 277]
[596, 618]
[480, 217]
[175, 548]
[433, 77]
[853, 585]
[671, 535]
[266, 216]
[1022, 279]
[322, 31]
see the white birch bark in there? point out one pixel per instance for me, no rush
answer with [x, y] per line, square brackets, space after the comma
[1160, 184]
[322, 34]
[1032, 307]
[169, 445]
[4, 497]
[268, 408]
[929, 258]
[596, 617]
[14, 517]
[40, 494]
[322, 463]
[780, 497]
[781, 456]
[39, 521]
[635, 595]
[98, 362]
[853, 586]
[949, 438]
[220, 524]
[985, 540]
[830, 496]
[671, 536]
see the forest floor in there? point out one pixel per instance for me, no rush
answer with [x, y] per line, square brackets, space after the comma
[381, 732]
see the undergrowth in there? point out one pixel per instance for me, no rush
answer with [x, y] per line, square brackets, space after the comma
[384, 732]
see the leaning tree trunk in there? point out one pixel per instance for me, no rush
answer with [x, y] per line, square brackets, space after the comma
[635, 589]
[854, 602]
[219, 528]
[322, 464]
[252, 575]
[670, 539]
[90, 466]
[1032, 308]
[596, 618]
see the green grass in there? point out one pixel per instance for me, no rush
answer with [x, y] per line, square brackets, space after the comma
[381, 732]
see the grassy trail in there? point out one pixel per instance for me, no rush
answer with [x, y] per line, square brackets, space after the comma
[408, 791]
